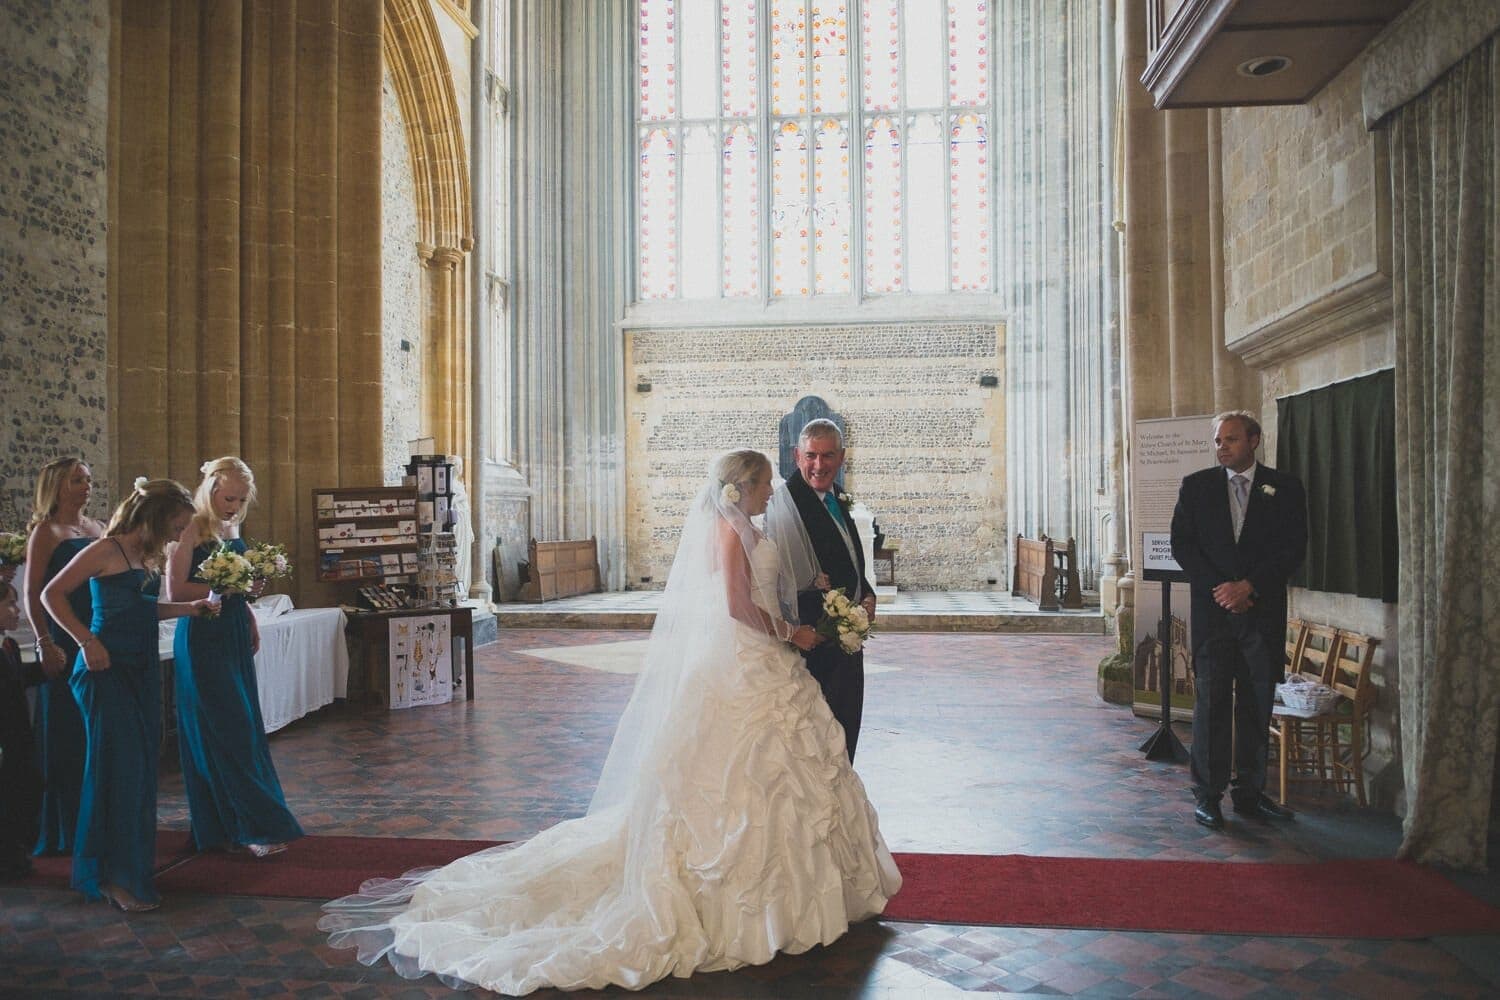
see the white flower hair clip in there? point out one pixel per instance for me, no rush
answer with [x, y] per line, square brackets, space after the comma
[730, 493]
[1268, 489]
[140, 484]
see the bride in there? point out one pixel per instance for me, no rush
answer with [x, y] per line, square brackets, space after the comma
[727, 824]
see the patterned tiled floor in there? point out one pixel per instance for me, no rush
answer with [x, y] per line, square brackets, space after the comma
[976, 743]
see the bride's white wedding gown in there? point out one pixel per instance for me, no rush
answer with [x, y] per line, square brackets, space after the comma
[749, 834]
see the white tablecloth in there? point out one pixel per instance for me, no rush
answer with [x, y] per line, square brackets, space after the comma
[303, 663]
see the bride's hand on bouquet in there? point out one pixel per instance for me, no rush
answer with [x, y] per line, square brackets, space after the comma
[805, 638]
[821, 582]
[869, 605]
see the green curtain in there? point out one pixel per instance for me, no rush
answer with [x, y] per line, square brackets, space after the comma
[1340, 440]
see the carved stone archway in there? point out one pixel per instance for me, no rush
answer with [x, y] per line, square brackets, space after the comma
[423, 81]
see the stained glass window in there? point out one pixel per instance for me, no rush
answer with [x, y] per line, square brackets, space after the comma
[748, 112]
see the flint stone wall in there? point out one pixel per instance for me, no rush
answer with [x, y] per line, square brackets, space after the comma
[926, 442]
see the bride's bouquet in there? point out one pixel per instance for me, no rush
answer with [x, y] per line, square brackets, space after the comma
[227, 572]
[844, 621]
[268, 561]
[12, 548]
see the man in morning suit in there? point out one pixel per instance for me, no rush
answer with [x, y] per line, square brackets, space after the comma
[1239, 531]
[841, 558]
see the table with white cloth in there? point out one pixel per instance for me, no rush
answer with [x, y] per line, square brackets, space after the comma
[303, 663]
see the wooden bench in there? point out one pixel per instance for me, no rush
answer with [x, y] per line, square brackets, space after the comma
[1046, 571]
[561, 569]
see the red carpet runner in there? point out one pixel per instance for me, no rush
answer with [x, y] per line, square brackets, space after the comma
[1349, 899]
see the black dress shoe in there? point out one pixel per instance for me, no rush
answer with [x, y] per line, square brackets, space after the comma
[1210, 815]
[1264, 807]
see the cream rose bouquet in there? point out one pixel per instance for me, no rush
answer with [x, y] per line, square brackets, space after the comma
[227, 572]
[844, 621]
[12, 548]
[268, 561]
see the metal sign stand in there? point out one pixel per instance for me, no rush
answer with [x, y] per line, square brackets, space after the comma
[1164, 744]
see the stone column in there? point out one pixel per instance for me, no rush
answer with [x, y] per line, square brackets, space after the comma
[445, 368]
[1054, 128]
[245, 250]
[573, 64]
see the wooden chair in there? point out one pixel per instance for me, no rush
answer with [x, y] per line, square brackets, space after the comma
[1349, 675]
[1310, 649]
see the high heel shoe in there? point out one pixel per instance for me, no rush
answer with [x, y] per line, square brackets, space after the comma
[124, 901]
[265, 850]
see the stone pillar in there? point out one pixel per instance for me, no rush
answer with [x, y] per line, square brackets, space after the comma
[1054, 128]
[573, 63]
[537, 384]
[445, 368]
[246, 250]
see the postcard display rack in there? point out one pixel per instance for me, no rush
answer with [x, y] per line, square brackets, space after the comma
[369, 536]
[366, 534]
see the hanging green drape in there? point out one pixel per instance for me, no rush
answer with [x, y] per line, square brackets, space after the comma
[1340, 440]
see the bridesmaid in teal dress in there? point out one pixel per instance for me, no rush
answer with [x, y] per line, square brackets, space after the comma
[116, 681]
[234, 796]
[58, 532]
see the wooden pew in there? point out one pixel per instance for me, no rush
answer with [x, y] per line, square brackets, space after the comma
[1046, 571]
[1065, 558]
[561, 569]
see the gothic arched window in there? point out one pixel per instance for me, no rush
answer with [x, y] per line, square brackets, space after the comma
[747, 117]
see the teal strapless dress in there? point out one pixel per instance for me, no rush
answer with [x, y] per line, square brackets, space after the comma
[234, 796]
[59, 727]
[121, 710]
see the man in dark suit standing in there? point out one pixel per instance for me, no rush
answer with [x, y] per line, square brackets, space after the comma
[1239, 531]
[841, 560]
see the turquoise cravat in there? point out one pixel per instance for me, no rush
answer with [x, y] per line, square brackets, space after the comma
[832, 504]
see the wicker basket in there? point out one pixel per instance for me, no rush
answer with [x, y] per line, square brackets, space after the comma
[1314, 697]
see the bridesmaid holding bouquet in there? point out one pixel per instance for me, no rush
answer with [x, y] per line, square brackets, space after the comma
[116, 681]
[234, 796]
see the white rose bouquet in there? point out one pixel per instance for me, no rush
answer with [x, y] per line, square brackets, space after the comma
[12, 548]
[844, 621]
[268, 561]
[227, 572]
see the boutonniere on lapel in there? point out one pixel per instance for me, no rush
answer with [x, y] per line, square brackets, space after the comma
[845, 500]
[1268, 489]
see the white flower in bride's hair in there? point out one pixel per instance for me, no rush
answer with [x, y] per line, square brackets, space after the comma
[140, 485]
[730, 493]
[1268, 489]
